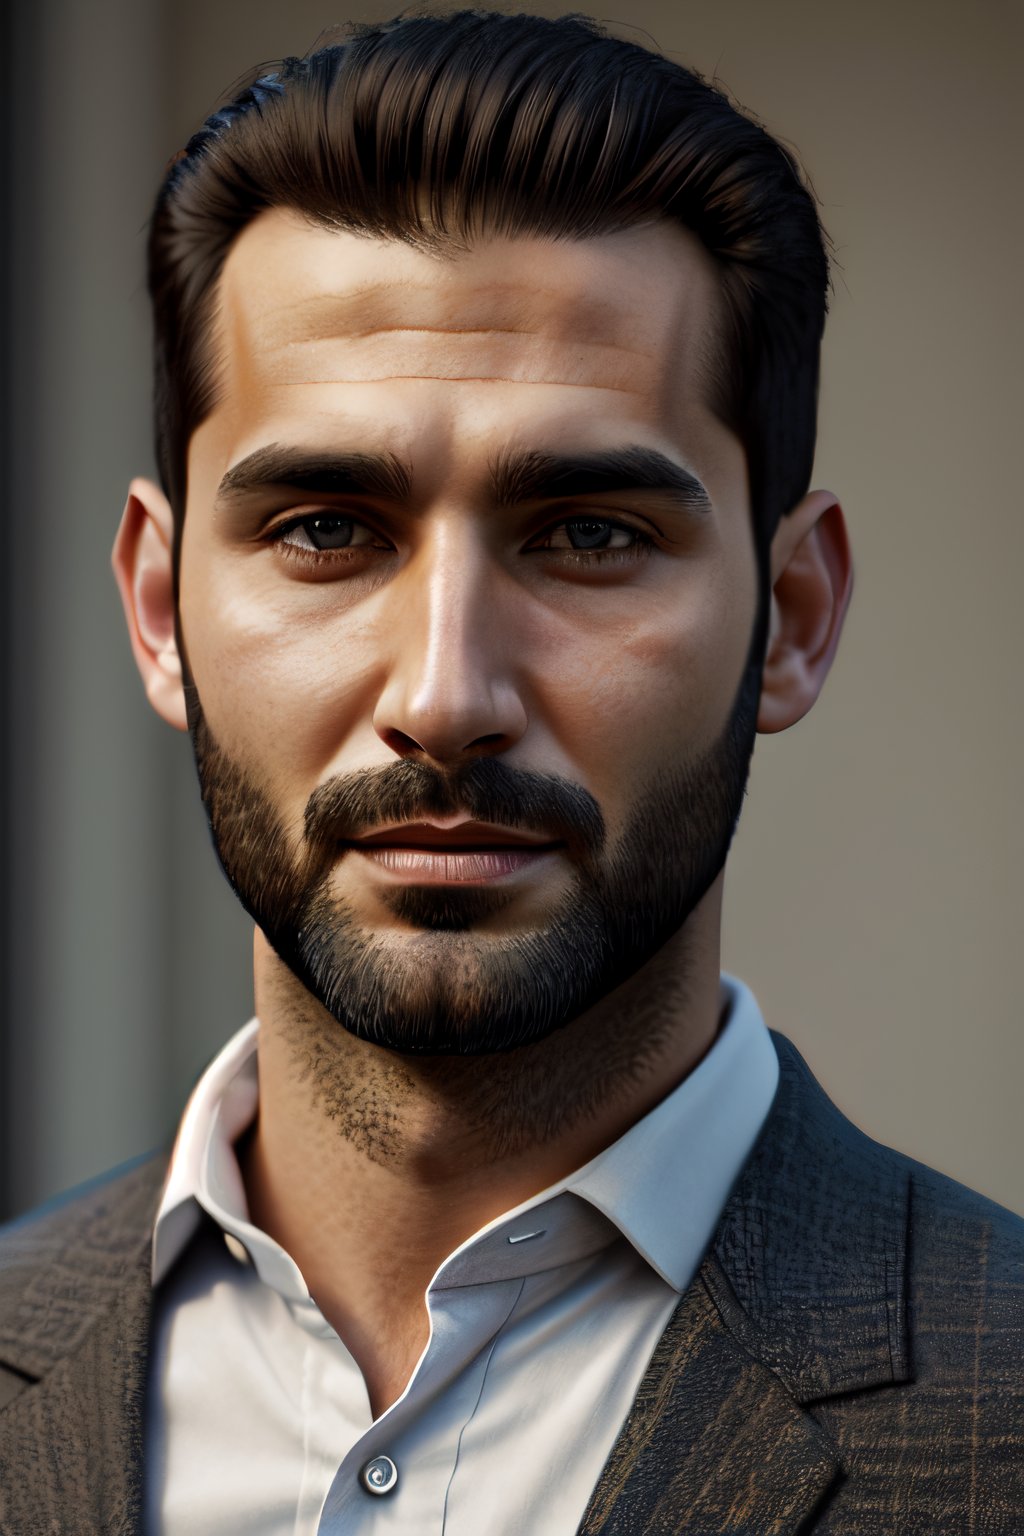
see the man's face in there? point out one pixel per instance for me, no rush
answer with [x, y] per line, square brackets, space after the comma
[467, 569]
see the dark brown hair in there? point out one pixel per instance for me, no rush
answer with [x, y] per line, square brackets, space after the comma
[434, 128]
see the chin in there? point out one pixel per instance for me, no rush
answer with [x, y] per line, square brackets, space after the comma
[446, 992]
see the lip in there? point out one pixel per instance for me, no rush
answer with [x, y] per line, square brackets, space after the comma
[451, 837]
[462, 852]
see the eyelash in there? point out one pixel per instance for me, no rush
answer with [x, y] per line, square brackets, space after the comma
[644, 545]
[590, 557]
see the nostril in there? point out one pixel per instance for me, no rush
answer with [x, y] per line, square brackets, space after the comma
[404, 745]
[399, 742]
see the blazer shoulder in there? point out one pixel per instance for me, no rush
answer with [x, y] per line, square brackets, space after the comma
[82, 1212]
[953, 1232]
[965, 1275]
[969, 1217]
[947, 1220]
[828, 1221]
[61, 1262]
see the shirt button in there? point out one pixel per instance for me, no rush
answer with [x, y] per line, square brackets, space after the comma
[237, 1249]
[379, 1475]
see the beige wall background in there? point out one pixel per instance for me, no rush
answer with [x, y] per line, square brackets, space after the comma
[874, 900]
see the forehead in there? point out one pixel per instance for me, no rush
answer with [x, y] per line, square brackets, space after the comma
[612, 311]
[326, 337]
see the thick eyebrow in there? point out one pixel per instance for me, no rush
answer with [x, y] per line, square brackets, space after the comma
[319, 472]
[531, 476]
[516, 476]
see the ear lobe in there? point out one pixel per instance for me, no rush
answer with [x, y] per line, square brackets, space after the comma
[143, 568]
[812, 580]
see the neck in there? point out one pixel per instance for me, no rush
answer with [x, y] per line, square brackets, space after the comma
[370, 1168]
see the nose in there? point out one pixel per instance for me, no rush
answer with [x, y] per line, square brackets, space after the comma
[451, 691]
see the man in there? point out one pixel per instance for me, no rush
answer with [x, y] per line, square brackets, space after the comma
[487, 353]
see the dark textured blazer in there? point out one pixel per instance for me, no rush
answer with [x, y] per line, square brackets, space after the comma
[849, 1358]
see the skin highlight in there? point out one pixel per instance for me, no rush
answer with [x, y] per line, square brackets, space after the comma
[457, 630]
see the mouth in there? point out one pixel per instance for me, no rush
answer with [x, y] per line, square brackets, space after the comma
[453, 853]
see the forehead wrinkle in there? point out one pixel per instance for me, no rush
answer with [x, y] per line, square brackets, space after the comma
[579, 344]
[446, 378]
[428, 330]
[500, 354]
[571, 315]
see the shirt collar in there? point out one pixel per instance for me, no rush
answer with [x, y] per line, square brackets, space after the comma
[662, 1185]
[666, 1181]
[203, 1171]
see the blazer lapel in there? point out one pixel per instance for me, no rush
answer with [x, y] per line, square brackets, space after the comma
[800, 1297]
[73, 1438]
[714, 1445]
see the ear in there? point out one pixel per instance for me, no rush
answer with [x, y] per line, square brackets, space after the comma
[143, 566]
[812, 579]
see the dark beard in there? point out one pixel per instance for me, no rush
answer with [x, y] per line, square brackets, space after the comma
[453, 989]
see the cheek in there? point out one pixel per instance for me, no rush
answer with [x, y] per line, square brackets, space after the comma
[280, 686]
[646, 688]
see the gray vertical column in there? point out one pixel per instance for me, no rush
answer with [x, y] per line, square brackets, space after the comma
[7, 588]
[87, 909]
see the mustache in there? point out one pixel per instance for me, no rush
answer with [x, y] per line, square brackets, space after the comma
[485, 789]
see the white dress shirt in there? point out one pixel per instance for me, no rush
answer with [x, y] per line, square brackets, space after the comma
[541, 1326]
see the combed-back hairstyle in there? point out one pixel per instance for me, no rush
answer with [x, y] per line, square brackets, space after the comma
[437, 129]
